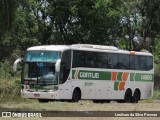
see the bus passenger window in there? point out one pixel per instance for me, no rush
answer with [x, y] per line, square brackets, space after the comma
[123, 61]
[149, 62]
[98, 61]
[143, 63]
[112, 61]
[137, 62]
[132, 62]
[104, 61]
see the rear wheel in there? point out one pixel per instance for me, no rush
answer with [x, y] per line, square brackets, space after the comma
[76, 96]
[136, 96]
[128, 96]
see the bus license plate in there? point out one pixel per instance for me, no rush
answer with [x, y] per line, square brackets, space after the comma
[36, 95]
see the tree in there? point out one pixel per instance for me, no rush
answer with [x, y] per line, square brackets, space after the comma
[140, 23]
[7, 10]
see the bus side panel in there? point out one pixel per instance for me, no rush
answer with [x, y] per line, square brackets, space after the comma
[64, 91]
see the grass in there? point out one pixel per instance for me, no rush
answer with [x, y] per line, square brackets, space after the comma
[10, 90]
[156, 95]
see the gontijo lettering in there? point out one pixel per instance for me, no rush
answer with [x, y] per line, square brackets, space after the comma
[89, 75]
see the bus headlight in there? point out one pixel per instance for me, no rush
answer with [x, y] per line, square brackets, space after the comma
[26, 87]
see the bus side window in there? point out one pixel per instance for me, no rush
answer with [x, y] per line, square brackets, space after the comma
[104, 60]
[143, 63]
[137, 62]
[98, 61]
[82, 59]
[123, 61]
[78, 59]
[112, 61]
[149, 62]
[132, 62]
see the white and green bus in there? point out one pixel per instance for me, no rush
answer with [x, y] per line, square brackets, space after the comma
[86, 72]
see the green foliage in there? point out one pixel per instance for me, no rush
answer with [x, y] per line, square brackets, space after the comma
[157, 62]
[36, 22]
[5, 69]
[123, 44]
[9, 90]
[7, 10]
[156, 95]
[157, 49]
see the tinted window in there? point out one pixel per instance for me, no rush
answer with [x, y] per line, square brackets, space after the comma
[86, 59]
[149, 63]
[65, 66]
[112, 61]
[123, 61]
[77, 61]
[143, 63]
[104, 60]
[137, 62]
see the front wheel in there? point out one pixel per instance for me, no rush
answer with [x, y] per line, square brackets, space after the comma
[76, 96]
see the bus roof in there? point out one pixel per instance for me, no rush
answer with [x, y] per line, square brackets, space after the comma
[49, 48]
[87, 47]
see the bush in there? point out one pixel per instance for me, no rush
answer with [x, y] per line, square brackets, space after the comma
[9, 90]
[156, 95]
[9, 86]
[5, 69]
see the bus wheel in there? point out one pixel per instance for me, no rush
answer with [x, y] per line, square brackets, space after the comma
[136, 96]
[76, 96]
[128, 96]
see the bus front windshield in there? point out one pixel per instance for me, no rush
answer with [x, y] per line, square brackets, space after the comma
[42, 73]
[42, 56]
[39, 67]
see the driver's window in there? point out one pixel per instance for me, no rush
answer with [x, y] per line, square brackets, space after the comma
[65, 66]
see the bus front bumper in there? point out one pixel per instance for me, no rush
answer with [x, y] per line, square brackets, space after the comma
[39, 95]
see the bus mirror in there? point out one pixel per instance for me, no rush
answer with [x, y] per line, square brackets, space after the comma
[57, 65]
[15, 65]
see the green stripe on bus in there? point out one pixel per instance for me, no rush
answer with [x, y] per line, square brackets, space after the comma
[119, 77]
[91, 75]
[103, 75]
[141, 77]
[73, 73]
[116, 84]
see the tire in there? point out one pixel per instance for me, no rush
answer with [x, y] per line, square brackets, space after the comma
[76, 96]
[128, 97]
[136, 96]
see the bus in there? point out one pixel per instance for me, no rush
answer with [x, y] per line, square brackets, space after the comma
[86, 72]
